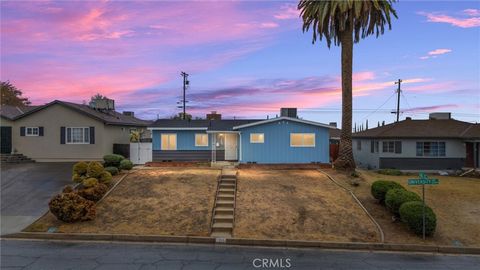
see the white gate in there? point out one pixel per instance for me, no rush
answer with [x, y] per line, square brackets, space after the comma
[141, 153]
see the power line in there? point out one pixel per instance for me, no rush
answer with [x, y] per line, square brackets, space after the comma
[366, 117]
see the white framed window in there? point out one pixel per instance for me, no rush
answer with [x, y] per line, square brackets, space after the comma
[302, 139]
[169, 141]
[359, 145]
[31, 131]
[392, 147]
[77, 135]
[430, 149]
[201, 139]
[257, 138]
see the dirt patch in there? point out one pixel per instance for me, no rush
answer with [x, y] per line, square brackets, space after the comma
[174, 201]
[297, 205]
[456, 202]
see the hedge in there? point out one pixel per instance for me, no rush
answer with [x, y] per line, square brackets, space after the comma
[126, 165]
[380, 188]
[411, 213]
[112, 160]
[390, 172]
[397, 196]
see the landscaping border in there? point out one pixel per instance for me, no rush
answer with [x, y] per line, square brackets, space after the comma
[244, 242]
[382, 235]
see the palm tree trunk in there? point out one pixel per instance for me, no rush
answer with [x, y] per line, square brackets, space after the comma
[345, 159]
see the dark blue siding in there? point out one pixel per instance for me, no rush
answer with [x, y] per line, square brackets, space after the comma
[185, 139]
[277, 149]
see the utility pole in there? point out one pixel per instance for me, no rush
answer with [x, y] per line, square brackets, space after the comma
[186, 82]
[398, 98]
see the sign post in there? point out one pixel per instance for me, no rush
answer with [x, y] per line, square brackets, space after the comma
[423, 180]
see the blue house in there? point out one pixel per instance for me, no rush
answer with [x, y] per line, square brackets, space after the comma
[285, 139]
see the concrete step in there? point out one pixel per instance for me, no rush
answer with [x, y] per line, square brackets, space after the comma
[229, 176]
[221, 234]
[228, 181]
[223, 218]
[225, 191]
[222, 225]
[224, 185]
[223, 211]
[224, 203]
[225, 196]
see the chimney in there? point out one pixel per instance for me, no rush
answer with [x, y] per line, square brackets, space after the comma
[214, 116]
[440, 116]
[333, 124]
[408, 118]
[288, 112]
[128, 113]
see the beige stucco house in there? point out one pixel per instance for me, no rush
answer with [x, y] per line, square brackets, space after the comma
[64, 131]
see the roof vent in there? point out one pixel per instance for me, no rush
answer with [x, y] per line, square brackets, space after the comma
[408, 118]
[214, 116]
[288, 112]
[333, 124]
[440, 116]
[129, 113]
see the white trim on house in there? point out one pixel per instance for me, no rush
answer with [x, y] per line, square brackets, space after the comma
[200, 145]
[303, 140]
[168, 140]
[177, 128]
[33, 133]
[284, 118]
[222, 131]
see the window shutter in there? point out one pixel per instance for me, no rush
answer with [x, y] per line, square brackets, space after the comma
[372, 146]
[398, 147]
[40, 131]
[22, 131]
[62, 135]
[92, 135]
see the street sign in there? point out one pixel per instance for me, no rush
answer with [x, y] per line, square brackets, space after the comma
[423, 180]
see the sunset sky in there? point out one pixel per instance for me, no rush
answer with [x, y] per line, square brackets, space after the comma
[245, 59]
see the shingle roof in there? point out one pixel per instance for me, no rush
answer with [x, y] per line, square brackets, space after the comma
[335, 133]
[10, 112]
[213, 125]
[431, 128]
[107, 117]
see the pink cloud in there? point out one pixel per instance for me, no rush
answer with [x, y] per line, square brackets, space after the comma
[435, 53]
[472, 21]
[288, 11]
[431, 108]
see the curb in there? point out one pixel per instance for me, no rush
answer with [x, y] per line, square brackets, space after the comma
[246, 242]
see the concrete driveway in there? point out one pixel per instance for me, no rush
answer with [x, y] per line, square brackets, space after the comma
[26, 190]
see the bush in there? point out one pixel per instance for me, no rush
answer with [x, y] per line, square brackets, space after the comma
[67, 189]
[70, 207]
[381, 187]
[77, 178]
[112, 160]
[112, 170]
[94, 169]
[94, 193]
[90, 182]
[390, 172]
[411, 213]
[126, 165]
[80, 168]
[105, 178]
[398, 196]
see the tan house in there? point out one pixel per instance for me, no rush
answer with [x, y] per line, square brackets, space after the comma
[64, 131]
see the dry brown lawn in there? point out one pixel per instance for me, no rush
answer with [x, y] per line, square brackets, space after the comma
[455, 201]
[298, 205]
[163, 201]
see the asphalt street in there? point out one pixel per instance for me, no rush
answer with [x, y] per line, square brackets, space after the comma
[26, 190]
[28, 254]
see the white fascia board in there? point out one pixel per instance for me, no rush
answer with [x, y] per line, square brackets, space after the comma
[222, 131]
[284, 118]
[177, 128]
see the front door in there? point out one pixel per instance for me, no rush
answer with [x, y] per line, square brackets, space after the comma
[231, 147]
[6, 140]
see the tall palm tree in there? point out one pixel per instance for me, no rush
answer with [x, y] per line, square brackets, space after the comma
[345, 22]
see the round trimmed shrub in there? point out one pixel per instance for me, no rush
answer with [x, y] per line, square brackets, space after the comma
[105, 178]
[112, 170]
[80, 168]
[398, 196]
[411, 213]
[94, 169]
[90, 182]
[380, 188]
[70, 207]
[77, 178]
[67, 189]
[126, 165]
[112, 160]
[94, 193]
